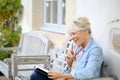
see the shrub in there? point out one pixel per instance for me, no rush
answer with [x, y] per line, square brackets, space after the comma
[10, 14]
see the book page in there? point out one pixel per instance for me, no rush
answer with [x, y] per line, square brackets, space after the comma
[41, 68]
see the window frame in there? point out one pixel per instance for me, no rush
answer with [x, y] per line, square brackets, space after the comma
[59, 27]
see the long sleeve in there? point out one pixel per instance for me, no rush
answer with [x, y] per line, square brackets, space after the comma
[67, 70]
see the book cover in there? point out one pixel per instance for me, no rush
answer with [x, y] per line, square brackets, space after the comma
[41, 70]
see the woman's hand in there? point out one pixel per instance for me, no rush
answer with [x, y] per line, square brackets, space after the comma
[70, 58]
[54, 75]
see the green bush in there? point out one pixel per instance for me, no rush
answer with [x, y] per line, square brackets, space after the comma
[5, 54]
[10, 32]
[9, 38]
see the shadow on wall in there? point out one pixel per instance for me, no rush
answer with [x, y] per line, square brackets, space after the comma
[114, 55]
[116, 39]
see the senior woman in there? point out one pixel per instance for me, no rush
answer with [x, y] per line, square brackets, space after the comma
[83, 62]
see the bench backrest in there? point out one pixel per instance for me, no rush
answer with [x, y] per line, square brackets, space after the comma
[58, 62]
[24, 65]
[32, 44]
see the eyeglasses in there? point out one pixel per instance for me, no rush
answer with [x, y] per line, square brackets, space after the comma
[74, 33]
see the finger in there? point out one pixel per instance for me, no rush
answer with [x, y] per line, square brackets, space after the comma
[69, 59]
[71, 48]
[50, 77]
[69, 53]
[69, 56]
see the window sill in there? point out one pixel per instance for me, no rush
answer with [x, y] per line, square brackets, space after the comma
[55, 29]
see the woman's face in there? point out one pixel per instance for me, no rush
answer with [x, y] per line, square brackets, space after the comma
[78, 37]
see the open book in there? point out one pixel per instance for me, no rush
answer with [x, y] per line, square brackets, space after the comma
[41, 70]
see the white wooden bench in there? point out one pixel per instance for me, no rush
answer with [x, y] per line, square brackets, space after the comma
[31, 44]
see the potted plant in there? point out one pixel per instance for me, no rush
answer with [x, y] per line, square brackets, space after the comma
[10, 11]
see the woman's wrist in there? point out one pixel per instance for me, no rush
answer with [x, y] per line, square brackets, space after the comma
[67, 76]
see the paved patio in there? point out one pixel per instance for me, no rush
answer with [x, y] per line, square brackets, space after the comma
[2, 77]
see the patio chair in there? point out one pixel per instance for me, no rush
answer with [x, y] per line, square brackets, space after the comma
[31, 44]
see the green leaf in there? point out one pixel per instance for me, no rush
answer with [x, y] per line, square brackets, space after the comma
[9, 19]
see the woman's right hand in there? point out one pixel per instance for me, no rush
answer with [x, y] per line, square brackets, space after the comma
[69, 58]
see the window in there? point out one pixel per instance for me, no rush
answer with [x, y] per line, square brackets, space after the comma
[54, 15]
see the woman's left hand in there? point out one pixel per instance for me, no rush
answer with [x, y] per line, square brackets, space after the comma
[54, 75]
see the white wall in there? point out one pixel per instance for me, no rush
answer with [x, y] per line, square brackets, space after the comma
[26, 22]
[100, 13]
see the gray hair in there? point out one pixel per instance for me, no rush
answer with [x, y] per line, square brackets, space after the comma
[81, 23]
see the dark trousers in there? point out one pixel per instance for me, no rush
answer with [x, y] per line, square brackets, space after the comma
[38, 76]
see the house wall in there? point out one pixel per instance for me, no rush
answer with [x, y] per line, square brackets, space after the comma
[26, 21]
[56, 38]
[100, 13]
[33, 19]
[37, 13]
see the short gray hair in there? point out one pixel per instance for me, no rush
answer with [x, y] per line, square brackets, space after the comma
[81, 23]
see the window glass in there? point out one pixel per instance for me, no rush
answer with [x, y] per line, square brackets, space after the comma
[54, 12]
[63, 12]
[48, 11]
